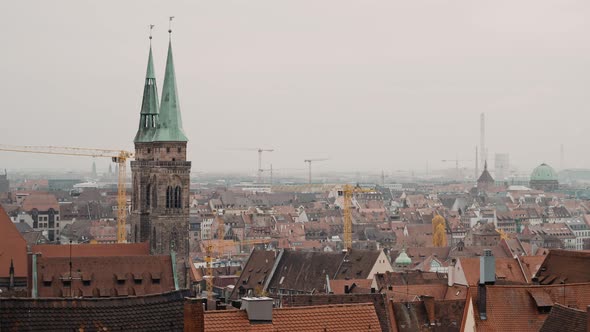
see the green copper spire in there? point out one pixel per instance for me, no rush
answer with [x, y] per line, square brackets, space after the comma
[150, 68]
[149, 105]
[170, 122]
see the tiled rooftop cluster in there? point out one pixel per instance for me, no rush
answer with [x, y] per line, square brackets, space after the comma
[162, 312]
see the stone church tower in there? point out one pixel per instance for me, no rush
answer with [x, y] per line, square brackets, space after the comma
[161, 173]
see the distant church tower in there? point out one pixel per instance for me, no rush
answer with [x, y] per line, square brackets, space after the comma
[161, 173]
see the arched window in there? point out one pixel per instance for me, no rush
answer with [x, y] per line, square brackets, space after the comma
[155, 197]
[177, 197]
[136, 236]
[174, 201]
[148, 194]
[153, 239]
[169, 197]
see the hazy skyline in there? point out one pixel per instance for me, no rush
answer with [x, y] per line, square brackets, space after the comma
[369, 84]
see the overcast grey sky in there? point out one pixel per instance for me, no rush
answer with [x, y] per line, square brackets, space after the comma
[369, 84]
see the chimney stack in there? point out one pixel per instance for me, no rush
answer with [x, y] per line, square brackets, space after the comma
[487, 276]
[451, 273]
[429, 305]
[194, 315]
[259, 309]
[487, 268]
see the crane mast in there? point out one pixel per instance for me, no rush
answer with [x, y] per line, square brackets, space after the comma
[209, 276]
[347, 192]
[456, 161]
[260, 170]
[118, 156]
[309, 161]
[121, 198]
[220, 235]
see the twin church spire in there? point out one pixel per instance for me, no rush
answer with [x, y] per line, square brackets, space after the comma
[160, 122]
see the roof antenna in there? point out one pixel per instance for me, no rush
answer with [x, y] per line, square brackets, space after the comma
[170, 27]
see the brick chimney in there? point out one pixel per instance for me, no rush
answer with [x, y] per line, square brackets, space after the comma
[259, 309]
[194, 315]
[429, 305]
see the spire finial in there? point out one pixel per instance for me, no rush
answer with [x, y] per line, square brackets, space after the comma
[170, 26]
[151, 28]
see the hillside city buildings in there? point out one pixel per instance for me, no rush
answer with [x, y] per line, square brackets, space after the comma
[205, 256]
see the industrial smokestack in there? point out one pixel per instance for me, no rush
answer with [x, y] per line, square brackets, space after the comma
[482, 139]
[476, 165]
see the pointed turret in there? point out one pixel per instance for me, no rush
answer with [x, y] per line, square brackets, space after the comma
[149, 105]
[485, 177]
[170, 122]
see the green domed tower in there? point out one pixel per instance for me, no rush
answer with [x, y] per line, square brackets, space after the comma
[544, 178]
[403, 260]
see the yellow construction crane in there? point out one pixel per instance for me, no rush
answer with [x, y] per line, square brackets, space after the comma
[209, 254]
[118, 156]
[347, 192]
[220, 235]
[253, 241]
[209, 266]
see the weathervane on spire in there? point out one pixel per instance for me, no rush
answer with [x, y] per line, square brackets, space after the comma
[170, 25]
[151, 28]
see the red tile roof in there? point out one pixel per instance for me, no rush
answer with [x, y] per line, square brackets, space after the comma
[93, 250]
[514, 308]
[341, 317]
[380, 302]
[571, 266]
[414, 292]
[105, 276]
[412, 277]
[507, 270]
[440, 316]
[160, 312]
[562, 316]
[256, 271]
[13, 247]
[533, 264]
[355, 285]
[41, 202]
